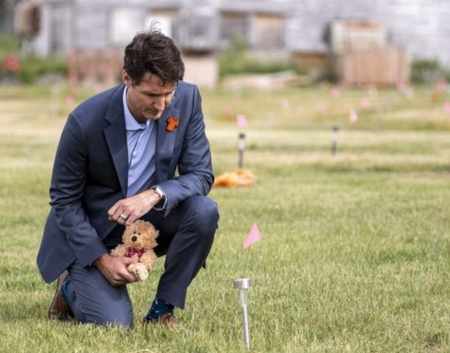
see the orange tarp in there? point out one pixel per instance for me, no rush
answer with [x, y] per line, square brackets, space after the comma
[236, 177]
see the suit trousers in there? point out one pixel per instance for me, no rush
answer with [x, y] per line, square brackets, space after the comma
[186, 236]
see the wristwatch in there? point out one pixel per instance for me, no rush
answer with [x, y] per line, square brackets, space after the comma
[159, 192]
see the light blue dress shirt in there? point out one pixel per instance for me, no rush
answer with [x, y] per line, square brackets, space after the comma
[141, 143]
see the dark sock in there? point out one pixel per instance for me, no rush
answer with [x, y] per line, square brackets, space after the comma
[64, 292]
[158, 309]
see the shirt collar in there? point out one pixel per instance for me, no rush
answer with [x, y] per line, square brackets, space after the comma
[130, 122]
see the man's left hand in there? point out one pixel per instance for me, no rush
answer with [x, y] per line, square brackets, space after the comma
[126, 211]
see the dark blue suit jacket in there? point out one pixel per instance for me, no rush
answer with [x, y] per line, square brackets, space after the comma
[90, 173]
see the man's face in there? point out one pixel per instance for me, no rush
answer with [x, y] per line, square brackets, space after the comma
[147, 100]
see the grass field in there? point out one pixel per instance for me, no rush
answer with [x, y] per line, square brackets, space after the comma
[355, 249]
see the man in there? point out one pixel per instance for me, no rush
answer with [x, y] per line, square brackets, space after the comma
[117, 162]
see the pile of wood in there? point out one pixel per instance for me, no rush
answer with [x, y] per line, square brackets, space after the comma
[273, 81]
[90, 66]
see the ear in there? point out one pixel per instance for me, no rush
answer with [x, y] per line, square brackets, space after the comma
[126, 79]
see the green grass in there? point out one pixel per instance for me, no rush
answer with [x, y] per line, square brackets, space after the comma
[9, 44]
[354, 255]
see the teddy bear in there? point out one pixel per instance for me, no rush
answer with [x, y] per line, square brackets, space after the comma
[139, 239]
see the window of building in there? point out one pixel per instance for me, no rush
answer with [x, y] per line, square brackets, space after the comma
[233, 26]
[268, 31]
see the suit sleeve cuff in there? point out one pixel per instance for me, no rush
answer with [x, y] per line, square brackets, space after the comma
[161, 206]
[91, 254]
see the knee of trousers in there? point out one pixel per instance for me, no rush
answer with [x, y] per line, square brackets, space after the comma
[105, 314]
[114, 319]
[204, 214]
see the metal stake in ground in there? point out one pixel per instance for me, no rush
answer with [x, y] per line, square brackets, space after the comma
[243, 284]
[334, 140]
[241, 150]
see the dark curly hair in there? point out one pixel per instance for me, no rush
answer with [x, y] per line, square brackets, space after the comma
[153, 52]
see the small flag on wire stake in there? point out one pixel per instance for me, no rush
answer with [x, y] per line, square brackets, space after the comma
[446, 107]
[352, 116]
[241, 121]
[365, 103]
[244, 283]
[253, 236]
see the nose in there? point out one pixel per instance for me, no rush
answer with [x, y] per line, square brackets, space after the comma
[160, 103]
[133, 238]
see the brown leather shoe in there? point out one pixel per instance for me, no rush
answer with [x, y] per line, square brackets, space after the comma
[59, 309]
[167, 319]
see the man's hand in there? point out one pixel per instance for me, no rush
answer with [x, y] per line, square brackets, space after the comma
[126, 211]
[115, 269]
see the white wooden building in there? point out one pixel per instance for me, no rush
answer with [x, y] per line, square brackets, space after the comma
[272, 27]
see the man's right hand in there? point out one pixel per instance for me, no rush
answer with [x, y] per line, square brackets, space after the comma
[115, 269]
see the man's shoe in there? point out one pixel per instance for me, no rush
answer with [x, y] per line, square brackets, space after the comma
[168, 319]
[60, 309]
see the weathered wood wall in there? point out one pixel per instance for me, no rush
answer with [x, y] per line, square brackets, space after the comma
[421, 27]
[381, 67]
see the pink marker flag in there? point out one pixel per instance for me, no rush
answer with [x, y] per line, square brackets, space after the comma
[352, 116]
[446, 107]
[285, 104]
[253, 236]
[365, 103]
[70, 100]
[321, 108]
[335, 93]
[401, 86]
[241, 121]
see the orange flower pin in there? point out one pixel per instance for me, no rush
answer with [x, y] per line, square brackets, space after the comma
[172, 123]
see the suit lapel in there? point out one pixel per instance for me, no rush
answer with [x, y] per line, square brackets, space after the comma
[165, 141]
[116, 138]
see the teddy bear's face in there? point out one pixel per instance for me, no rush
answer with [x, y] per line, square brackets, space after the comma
[140, 235]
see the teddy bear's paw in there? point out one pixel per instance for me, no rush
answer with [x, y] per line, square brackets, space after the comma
[132, 268]
[140, 272]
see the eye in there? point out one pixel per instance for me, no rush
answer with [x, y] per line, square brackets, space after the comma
[139, 233]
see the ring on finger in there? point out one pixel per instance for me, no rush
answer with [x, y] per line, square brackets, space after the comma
[123, 216]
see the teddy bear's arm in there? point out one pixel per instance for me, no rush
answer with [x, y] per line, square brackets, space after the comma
[119, 251]
[148, 259]
[139, 271]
